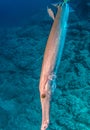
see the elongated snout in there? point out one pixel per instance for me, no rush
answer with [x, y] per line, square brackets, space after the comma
[45, 95]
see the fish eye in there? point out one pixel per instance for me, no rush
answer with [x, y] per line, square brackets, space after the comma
[43, 95]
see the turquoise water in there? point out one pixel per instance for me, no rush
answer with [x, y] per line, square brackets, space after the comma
[24, 29]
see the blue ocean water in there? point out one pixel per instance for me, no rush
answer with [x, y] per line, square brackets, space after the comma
[24, 30]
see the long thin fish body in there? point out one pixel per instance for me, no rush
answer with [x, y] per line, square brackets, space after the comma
[51, 61]
[62, 35]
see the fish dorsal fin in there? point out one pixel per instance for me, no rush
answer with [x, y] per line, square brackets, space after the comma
[50, 12]
[57, 4]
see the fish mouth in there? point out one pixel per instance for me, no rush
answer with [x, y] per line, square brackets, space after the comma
[45, 125]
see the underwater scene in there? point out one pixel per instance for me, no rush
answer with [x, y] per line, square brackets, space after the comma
[44, 65]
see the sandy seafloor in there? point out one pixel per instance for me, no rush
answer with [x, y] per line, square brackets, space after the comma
[21, 54]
